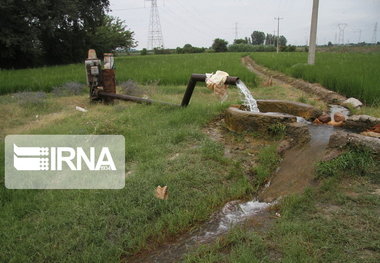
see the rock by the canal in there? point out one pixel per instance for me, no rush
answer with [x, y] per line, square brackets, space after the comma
[339, 117]
[352, 102]
[324, 118]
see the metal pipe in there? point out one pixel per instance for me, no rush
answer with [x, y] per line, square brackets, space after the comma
[201, 77]
[131, 98]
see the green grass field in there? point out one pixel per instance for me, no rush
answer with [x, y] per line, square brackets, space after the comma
[162, 69]
[169, 146]
[351, 74]
[164, 146]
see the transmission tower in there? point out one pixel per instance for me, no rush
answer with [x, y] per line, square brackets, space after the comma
[374, 36]
[341, 27]
[155, 38]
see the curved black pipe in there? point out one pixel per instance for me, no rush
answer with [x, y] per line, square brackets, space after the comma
[131, 98]
[201, 77]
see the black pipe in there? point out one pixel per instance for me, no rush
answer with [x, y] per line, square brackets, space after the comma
[201, 77]
[131, 98]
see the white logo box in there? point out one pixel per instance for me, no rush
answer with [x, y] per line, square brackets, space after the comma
[64, 161]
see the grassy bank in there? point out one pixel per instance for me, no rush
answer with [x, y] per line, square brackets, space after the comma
[335, 222]
[161, 69]
[164, 146]
[351, 74]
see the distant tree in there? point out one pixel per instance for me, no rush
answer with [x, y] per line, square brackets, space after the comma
[179, 50]
[248, 40]
[219, 45]
[258, 38]
[34, 33]
[240, 41]
[330, 44]
[187, 48]
[144, 52]
[282, 41]
[112, 34]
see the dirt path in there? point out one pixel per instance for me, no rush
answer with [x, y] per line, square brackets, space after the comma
[283, 80]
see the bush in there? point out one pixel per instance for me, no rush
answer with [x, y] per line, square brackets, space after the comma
[250, 48]
[188, 49]
[144, 52]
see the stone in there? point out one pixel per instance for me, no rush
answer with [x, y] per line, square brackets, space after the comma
[340, 139]
[303, 110]
[352, 102]
[371, 134]
[241, 121]
[361, 123]
[339, 117]
[375, 128]
[336, 124]
[298, 133]
[324, 118]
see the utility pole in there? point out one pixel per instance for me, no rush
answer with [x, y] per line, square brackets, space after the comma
[278, 32]
[236, 30]
[155, 38]
[313, 33]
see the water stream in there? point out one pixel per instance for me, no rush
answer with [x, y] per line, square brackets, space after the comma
[248, 99]
[294, 175]
[230, 215]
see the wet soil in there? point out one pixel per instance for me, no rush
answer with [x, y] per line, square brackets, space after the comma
[296, 171]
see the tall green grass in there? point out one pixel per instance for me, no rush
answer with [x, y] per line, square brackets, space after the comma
[351, 74]
[40, 79]
[164, 69]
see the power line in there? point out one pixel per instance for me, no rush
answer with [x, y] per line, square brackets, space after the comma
[155, 38]
[126, 9]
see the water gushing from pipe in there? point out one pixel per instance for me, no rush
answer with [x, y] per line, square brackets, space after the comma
[248, 99]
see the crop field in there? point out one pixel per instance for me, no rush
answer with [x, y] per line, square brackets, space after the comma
[162, 69]
[172, 146]
[351, 74]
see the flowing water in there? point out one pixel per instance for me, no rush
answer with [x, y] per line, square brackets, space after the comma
[231, 214]
[294, 175]
[296, 171]
[248, 99]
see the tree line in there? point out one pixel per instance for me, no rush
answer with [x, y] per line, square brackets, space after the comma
[51, 32]
[257, 42]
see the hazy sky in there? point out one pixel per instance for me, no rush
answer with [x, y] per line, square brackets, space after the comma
[199, 22]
